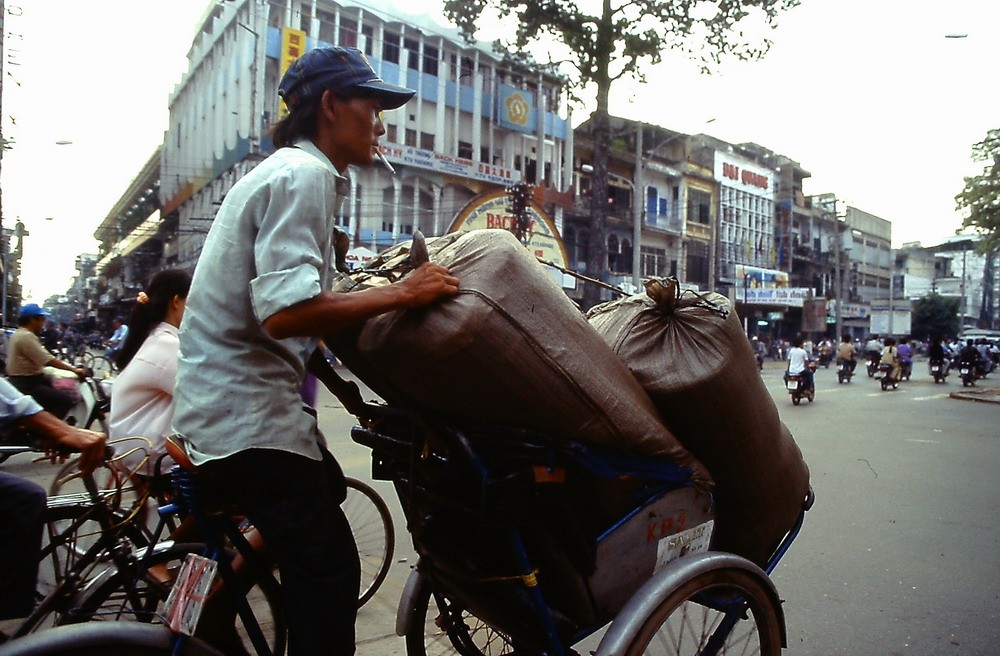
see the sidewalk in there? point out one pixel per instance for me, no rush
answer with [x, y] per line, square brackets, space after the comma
[986, 390]
[983, 395]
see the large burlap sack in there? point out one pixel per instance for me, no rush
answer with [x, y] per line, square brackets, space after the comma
[511, 349]
[690, 354]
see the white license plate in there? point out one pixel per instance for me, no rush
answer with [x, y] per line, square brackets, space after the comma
[187, 597]
[792, 385]
[935, 369]
[965, 372]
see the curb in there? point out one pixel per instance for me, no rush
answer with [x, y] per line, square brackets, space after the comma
[984, 396]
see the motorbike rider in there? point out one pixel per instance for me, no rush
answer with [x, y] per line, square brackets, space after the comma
[873, 348]
[798, 364]
[938, 353]
[905, 352]
[758, 350]
[985, 360]
[27, 358]
[969, 355]
[846, 353]
[890, 356]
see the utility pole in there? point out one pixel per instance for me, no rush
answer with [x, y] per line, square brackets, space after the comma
[5, 245]
[838, 289]
[892, 269]
[638, 202]
[965, 252]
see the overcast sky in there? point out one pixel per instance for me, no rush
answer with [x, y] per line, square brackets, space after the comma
[868, 95]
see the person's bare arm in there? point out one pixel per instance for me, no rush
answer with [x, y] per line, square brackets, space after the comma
[59, 364]
[331, 312]
[58, 433]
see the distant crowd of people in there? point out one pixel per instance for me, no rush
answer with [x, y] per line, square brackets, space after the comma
[988, 351]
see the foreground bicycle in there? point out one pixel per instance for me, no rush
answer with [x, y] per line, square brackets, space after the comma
[142, 594]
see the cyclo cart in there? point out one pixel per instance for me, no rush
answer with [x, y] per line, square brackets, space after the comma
[529, 545]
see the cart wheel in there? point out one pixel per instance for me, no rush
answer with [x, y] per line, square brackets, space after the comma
[714, 612]
[885, 385]
[796, 399]
[450, 629]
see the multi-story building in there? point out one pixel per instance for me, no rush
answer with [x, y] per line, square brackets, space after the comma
[916, 270]
[133, 240]
[869, 255]
[475, 125]
[651, 184]
[966, 274]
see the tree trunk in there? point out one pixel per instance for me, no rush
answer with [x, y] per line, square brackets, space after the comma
[597, 244]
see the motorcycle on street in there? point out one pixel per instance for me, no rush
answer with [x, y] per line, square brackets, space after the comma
[796, 386]
[905, 369]
[967, 372]
[886, 377]
[938, 370]
[845, 371]
[873, 364]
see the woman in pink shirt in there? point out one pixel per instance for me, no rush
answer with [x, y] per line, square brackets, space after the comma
[142, 400]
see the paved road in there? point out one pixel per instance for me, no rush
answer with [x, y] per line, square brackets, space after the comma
[899, 557]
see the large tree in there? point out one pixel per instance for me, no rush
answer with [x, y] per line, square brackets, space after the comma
[620, 41]
[980, 198]
[935, 316]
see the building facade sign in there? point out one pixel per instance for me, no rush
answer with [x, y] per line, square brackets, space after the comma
[293, 46]
[441, 163]
[490, 210]
[759, 278]
[814, 315]
[848, 310]
[785, 296]
[744, 175]
[516, 109]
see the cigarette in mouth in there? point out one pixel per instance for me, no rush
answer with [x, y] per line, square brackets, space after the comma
[380, 157]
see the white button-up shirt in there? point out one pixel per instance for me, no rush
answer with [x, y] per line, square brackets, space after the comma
[14, 404]
[270, 247]
[143, 400]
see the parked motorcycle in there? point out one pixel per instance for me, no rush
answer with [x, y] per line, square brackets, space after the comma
[795, 384]
[939, 370]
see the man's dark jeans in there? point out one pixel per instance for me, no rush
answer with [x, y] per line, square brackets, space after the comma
[295, 504]
[22, 513]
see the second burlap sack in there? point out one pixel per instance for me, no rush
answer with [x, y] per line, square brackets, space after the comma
[511, 349]
[690, 354]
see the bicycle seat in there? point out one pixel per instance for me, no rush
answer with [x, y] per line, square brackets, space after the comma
[177, 451]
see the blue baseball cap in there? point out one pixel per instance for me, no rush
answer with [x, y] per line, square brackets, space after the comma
[33, 310]
[344, 71]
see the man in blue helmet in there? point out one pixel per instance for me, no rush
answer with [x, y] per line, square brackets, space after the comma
[27, 358]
